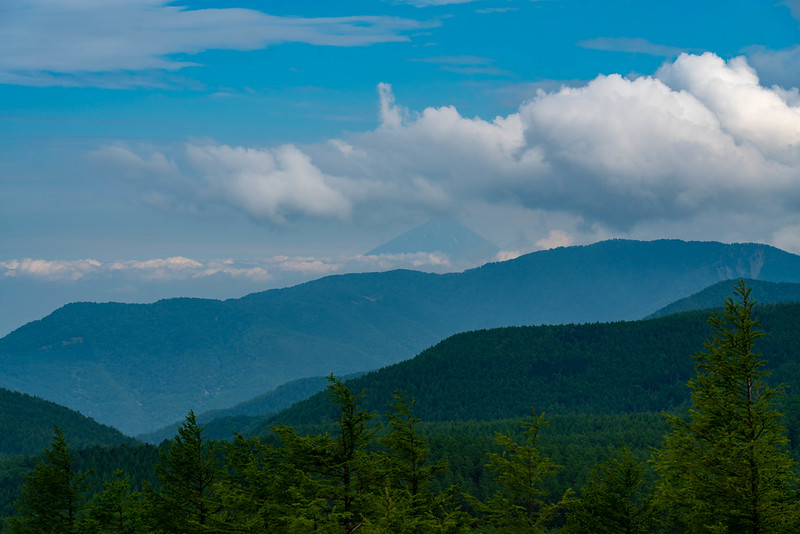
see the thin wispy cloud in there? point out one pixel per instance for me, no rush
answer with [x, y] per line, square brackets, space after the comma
[428, 3]
[633, 45]
[70, 42]
[465, 64]
[489, 10]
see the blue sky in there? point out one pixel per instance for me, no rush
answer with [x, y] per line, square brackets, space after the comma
[152, 149]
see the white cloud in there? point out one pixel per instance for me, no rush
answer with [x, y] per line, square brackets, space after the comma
[179, 268]
[44, 42]
[555, 239]
[731, 91]
[268, 184]
[701, 136]
[48, 269]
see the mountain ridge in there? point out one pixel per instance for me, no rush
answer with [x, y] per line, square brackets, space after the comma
[143, 366]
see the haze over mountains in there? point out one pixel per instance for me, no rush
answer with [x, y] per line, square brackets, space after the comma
[140, 367]
[31, 289]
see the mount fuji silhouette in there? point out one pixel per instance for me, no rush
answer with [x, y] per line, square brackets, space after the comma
[446, 236]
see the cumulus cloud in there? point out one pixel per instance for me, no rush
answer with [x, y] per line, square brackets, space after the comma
[270, 184]
[701, 136]
[43, 42]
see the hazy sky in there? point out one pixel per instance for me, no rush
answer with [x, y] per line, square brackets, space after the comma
[153, 149]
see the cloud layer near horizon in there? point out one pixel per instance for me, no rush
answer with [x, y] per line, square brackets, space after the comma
[181, 268]
[700, 136]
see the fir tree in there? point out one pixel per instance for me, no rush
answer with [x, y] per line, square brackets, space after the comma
[615, 499]
[340, 473]
[725, 468]
[521, 505]
[53, 496]
[187, 472]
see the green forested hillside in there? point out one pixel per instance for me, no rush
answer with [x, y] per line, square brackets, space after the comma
[27, 423]
[602, 386]
[600, 368]
[140, 367]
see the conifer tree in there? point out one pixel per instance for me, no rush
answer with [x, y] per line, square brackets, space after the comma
[115, 510]
[521, 505]
[408, 466]
[256, 489]
[187, 472]
[405, 504]
[615, 499]
[340, 473]
[725, 468]
[53, 496]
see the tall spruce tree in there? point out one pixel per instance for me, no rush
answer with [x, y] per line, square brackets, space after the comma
[340, 473]
[521, 505]
[53, 496]
[725, 468]
[187, 472]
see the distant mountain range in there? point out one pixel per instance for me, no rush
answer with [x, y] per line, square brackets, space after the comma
[141, 367]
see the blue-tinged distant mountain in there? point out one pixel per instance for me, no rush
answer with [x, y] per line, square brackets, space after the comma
[714, 296]
[446, 236]
[140, 367]
[221, 423]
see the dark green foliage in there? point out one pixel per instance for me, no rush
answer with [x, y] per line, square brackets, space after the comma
[616, 499]
[26, 426]
[187, 473]
[520, 504]
[340, 472]
[405, 502]
[141, 367]
[116, 509]
[725, 468]
[408, 452]
[257, 489]
[53, 496]
[611, 368]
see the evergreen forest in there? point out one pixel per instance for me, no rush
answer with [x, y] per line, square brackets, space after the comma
[699, 437]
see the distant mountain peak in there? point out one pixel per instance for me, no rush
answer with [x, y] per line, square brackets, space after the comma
[461, 244]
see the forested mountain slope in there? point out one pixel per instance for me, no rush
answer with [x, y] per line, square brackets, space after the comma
[27, 424]
[713, 296]
[221, 423]
[140, 367]
[602, 368]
